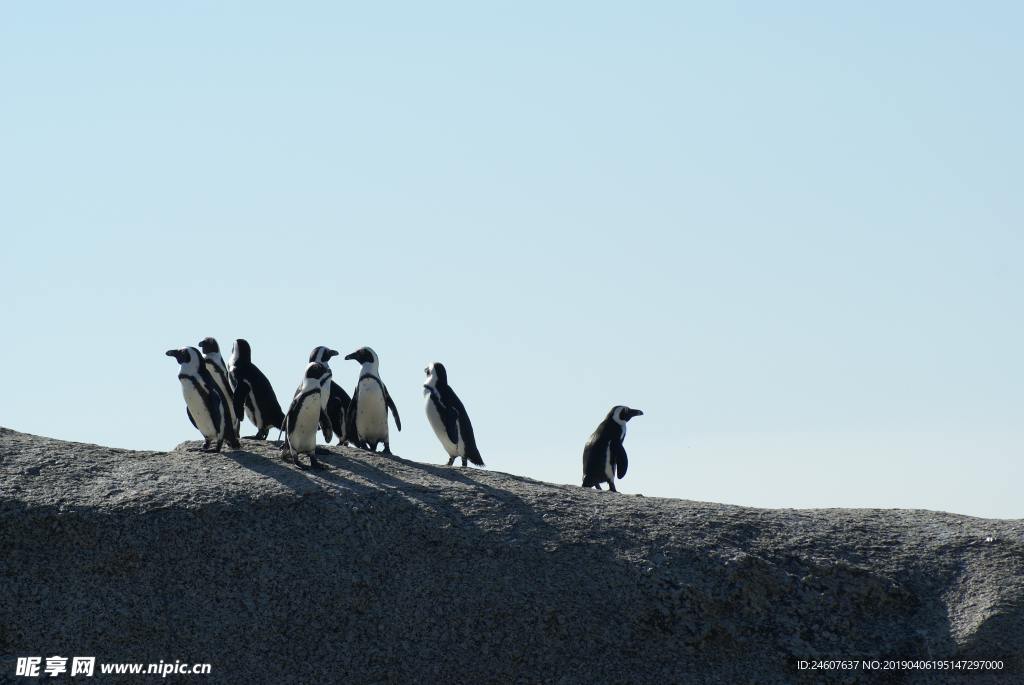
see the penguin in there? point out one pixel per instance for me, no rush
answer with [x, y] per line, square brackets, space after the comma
[368, 411]
[324, 424]
[448, 417]
[604, 454]
[206, 407]
[336, 399]
[253, 391]
[219, 370]
[304, 415]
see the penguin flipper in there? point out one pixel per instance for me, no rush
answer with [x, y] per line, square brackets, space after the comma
[293, 414]
[451, 424]
[189, 412]
[213, 399]
[325, 426]
[230, 434]
[391, 405]
[241, 392]
[350, 418]
[619, 459]
[224, 406]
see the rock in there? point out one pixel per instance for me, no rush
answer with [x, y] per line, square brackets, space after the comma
[384, 570]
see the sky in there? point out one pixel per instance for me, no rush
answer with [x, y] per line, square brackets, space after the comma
[791, 234]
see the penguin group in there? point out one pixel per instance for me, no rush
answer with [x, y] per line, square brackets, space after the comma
[218, 394]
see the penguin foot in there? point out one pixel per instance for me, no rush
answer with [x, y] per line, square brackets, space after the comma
[314, 464]
[322, 450]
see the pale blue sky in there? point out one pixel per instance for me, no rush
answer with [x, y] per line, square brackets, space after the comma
[791, 234]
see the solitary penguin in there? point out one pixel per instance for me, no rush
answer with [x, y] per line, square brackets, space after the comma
[604, 454]
[305, 413]
[253, 391]
[206, 407]
[337, 400]
[219, 370]
[448, 417]
[368, 411]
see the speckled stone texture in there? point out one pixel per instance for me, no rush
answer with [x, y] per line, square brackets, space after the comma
[383, 570]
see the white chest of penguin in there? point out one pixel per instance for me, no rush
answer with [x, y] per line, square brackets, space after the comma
[434, 417]
[371, 411]
[197, 407]
[302, 436]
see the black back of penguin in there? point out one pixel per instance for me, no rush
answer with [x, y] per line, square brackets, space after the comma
[251, 385]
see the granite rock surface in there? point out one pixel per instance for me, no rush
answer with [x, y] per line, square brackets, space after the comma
[382, 570]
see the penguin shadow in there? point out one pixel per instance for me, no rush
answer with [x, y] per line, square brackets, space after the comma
[427, 491]
[497, 502]
[301, 479]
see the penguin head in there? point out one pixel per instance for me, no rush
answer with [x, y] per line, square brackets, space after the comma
[315, 377]
[364, 355]
[209, 346]
[322, 354]
[438, 376]
[241, 352]
[621, 414]
[316, 371]
[186, 356]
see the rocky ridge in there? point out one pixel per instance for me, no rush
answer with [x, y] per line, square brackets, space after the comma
[383, 570]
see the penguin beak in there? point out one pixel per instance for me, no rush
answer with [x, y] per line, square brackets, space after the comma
[354, 355]
[332, 353]
[635, 412]
[174, 353]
